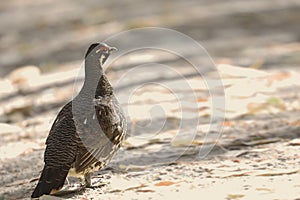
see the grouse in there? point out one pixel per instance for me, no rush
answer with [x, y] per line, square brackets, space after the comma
[88, 130]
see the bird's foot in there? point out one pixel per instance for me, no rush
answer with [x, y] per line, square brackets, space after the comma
[99, 184]
[94, 186]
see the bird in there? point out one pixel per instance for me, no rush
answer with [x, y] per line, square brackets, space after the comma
[87, 131]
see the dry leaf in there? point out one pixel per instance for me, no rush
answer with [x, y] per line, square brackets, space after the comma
[264, 189]
[235, 174]
[278, 172]
[181, 141]
[198, 142]
[276, 102]
[295, 142]
[133, 142]
[234, 196]
[278, 76]
[165, 183]
[227, 123]
[260, 141]
[295, 123]
[245, 152]
[202, 99]
[146, 190]
[136, 187]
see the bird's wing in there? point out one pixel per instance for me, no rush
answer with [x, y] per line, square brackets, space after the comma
[91, 158]
[87, 156]
[62, 140]
[111, 134]
[59, 154]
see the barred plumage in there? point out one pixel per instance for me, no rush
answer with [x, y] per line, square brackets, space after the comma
[87, 131]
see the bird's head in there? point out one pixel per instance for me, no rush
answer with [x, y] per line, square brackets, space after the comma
[100, 52]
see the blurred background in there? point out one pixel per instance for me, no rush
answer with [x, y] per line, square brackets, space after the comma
[246, 33]
[255, 45]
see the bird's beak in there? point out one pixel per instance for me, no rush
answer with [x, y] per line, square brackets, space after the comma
[111, 49]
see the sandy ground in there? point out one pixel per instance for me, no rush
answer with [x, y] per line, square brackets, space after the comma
[254, 153]
[256, 156]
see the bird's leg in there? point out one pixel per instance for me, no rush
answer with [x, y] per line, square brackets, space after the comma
[88, 180]
[68, 182]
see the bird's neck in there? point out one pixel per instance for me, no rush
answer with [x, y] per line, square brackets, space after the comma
[95, 83]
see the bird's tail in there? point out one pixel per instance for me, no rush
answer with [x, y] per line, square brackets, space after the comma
[52, 179]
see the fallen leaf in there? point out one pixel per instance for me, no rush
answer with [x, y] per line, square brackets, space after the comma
[145, 190]
[278, 172]
[234, 174]
[136, 187]
[245, 152]
[34, 179]
[278, 76]
[260, 141]
[257, 64]
[165, 183]
[276, 102]
[295, 142]
[132, 143]
[227, 123]
[264, 189]
[234, 196]
[19, 182]
[198, 142]
[155, 141]
[202, 99]
[180, 141]
[295, 123]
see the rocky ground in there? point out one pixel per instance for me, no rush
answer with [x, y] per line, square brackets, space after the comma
[173, 149]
